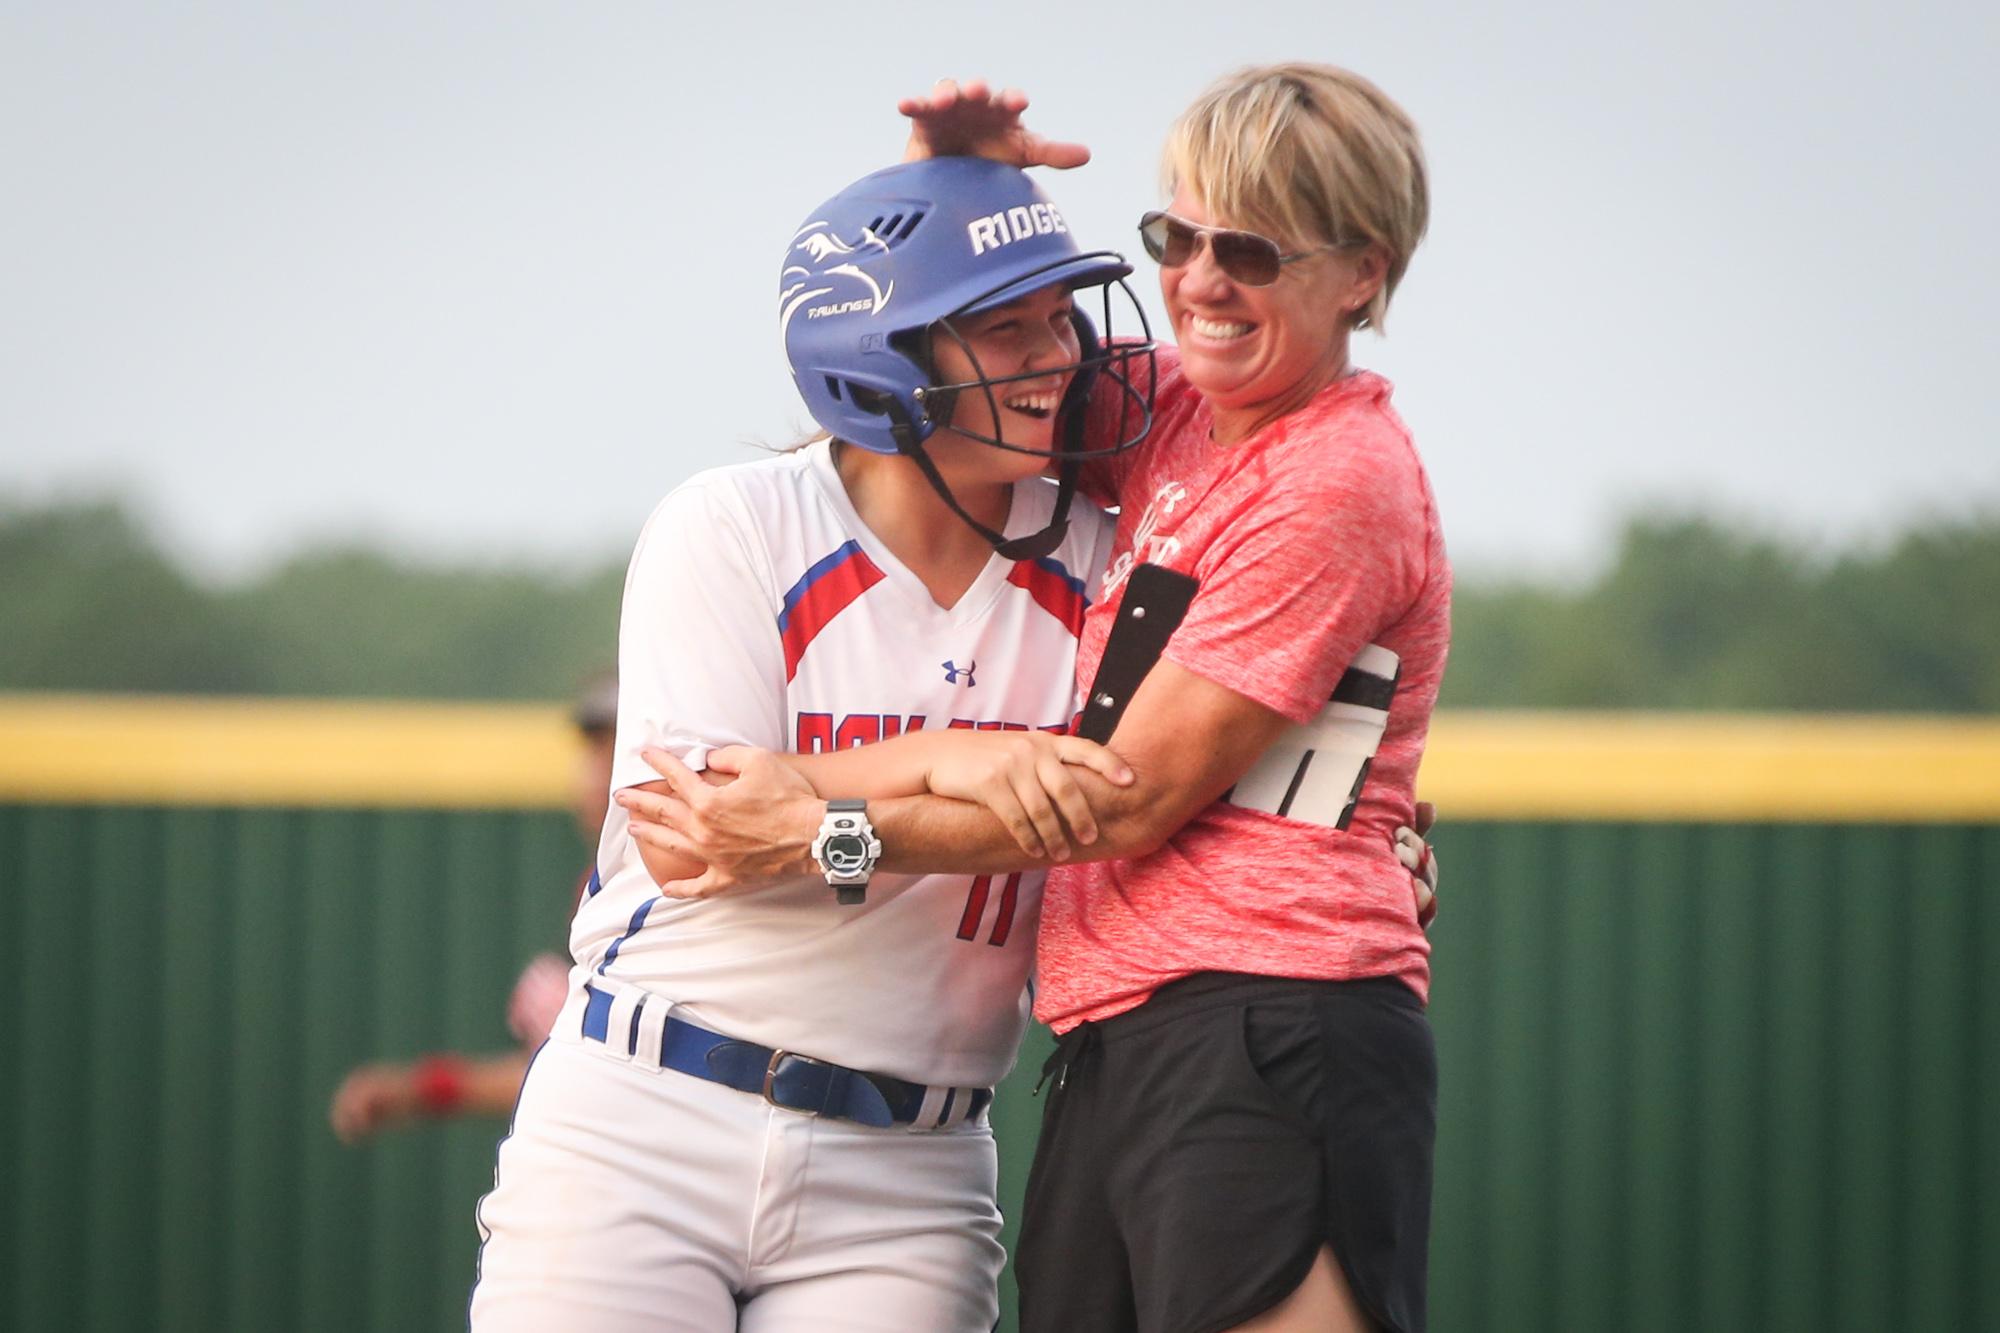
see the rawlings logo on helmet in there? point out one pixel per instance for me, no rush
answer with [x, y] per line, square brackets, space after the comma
[818, 243]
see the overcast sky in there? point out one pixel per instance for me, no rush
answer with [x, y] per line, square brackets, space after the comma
[487, 279]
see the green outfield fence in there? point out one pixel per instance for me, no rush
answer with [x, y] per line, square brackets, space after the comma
[1714, 1071]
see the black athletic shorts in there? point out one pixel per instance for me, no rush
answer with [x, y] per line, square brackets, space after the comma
[1198, 1151]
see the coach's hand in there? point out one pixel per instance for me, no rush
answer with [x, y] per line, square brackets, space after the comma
[970, 120]
[1027, 779]
[1421, 862]
[752, 831]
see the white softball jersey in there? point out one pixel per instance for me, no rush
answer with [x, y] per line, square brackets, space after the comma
[760, 610]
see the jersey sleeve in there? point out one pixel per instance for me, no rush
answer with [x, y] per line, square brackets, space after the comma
[700, 664]
[1311, 570]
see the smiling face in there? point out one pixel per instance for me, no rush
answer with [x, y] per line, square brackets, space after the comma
[1256, 353]
[1031, 334]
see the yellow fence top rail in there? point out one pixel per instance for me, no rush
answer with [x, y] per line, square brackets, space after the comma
[1714, 767]
[123, 750]
[127, 750]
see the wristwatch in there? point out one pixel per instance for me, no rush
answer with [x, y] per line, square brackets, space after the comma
[847, 849]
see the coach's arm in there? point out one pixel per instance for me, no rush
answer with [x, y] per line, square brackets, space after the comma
[1184, 739]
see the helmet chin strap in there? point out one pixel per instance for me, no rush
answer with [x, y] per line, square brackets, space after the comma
[1034, 545]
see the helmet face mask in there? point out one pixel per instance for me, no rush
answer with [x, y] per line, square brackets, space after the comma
[882, 270]
[1081, 374]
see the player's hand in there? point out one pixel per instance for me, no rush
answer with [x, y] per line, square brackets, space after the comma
[753, 831]
[371, 1099]
[970, 120]
[1028, 780]
[1421, 862]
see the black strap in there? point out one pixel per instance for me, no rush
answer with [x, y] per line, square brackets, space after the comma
[1031, 547]
[1156, 601]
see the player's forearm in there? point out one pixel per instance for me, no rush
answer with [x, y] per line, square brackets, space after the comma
[924, 835]
[938, 835]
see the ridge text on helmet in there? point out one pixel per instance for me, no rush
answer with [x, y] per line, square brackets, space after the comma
[1013, 224]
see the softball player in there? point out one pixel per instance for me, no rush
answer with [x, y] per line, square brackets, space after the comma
[768, 1112]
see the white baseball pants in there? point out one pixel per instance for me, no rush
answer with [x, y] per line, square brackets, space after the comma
[631, 1198]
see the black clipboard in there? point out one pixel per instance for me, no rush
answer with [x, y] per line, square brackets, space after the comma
[1156, 601]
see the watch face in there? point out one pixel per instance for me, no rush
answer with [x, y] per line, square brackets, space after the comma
[845, 853]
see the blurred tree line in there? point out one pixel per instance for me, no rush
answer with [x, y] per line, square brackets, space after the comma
[1691, 613]
[89, 602]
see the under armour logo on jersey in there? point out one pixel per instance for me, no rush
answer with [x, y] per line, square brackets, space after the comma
[952, 672]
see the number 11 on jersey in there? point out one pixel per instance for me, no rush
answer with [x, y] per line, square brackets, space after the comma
[975, 909]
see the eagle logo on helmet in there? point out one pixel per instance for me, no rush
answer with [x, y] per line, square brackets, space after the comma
[818, 244]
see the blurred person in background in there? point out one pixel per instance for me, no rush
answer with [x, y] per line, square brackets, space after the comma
[449, 1084]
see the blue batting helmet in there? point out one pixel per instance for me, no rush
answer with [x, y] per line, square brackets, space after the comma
[897, 253]
[902, 251]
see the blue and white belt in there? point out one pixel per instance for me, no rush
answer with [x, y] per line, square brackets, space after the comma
[637, 1025]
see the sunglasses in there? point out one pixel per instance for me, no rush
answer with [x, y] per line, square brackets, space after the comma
[1246, 257]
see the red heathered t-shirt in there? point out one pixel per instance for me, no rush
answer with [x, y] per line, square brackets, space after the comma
[1312, 539]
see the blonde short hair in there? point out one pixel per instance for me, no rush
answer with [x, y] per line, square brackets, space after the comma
[1309, 153]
